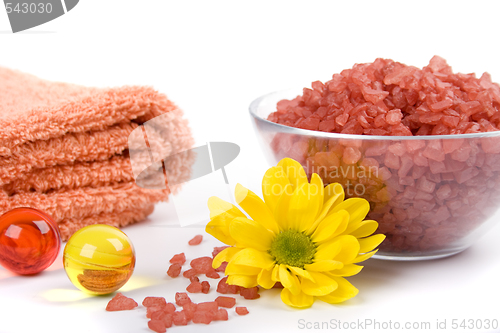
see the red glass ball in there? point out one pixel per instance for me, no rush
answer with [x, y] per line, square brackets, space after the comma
[29, 241]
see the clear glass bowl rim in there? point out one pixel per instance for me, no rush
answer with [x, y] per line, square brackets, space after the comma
[299, 131]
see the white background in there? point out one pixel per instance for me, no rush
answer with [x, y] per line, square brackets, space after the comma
[213, 58]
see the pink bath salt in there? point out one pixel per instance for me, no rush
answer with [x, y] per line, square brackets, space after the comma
[250, 293]
[391, 160]
[157, 326]
[207, 306]
[190, 309]
[437, 167]
[188, 274]
[434, 151]
[212, 274]
[151, 310]
[154, 301]
[178, 259]
[203, 317]
[194, 278]
[384, 173]
[351, 155]
[394, 117]
[221, 314]
[397, 149]
[174, 270]
[226, 302]
[205, 287]
[194, 287]
[179, 318]
[196, 240]
[202, 265]
[241, 310]
[120, 303]
[182, 298]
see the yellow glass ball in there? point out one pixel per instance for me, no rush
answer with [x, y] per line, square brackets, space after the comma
[99, 259]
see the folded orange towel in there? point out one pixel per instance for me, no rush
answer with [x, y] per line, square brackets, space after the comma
[63, 149]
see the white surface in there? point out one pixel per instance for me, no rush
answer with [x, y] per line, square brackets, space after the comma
[213, 59]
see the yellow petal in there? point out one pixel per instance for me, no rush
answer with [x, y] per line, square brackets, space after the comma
[253, 258]
[255, 208]
[294, 171]
[235, 269]
[363, 257]
[245, 281]
[301, 272]
[332, 226]
[335, 196]
[289, 280]
[301, 300]
[344, 291]
[327, 251]
[248, 233]
[324, 265]
[365, 228]
[220, 230]
[347, 270]
[221, 214]
[274, 183]
[349, 249]
[357, 209]
[318, 182]
[281, 209]
[304, 207]
[275, 274]
[323, 285]
[218, 206]
[370, 243]
[335, 191]
[224, 255]
[264, 279]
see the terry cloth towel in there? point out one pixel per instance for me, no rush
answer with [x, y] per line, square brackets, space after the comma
[63, 149]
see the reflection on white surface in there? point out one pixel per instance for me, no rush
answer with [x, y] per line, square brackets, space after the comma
[63, 295]
[13, 231]
[116, 243]
[138, 283]
[88, 251]
[42, 225]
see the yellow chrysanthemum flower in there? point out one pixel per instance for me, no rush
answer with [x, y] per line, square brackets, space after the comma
[302, 234]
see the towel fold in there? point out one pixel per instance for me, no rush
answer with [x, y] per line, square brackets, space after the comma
[64, 149]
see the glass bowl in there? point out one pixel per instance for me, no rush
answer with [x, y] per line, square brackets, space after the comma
[433, 196]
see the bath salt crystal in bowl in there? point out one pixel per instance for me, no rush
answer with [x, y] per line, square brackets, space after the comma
[421, 145]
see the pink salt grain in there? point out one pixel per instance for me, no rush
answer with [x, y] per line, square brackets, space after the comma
[241, 310]
[226, 302]
[194, 287]
[157, 326]
[202, 317]
[205, 287]
[174, 270]
[179, 318]
[178, 259]
[181, 298]
[196, 240]
[250, 293]
[202, 265]
[221, 314]
[120, 303]
[154, 301]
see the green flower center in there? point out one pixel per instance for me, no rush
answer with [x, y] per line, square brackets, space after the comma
[293, 248]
